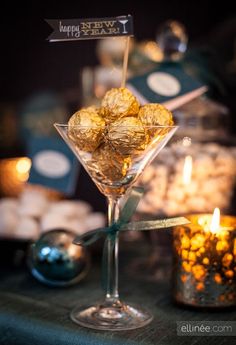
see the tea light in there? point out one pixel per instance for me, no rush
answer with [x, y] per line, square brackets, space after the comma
[204, 272]
[14, 172]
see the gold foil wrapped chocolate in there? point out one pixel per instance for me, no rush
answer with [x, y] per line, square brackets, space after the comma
[109, 163]
[127, 135]
[154, 114]
[117, 103]
[86, 128]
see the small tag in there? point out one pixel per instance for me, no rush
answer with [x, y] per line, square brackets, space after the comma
[90, 28]
[168, 84]
[53, 165]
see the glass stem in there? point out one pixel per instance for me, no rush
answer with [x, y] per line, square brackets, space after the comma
[111, 250]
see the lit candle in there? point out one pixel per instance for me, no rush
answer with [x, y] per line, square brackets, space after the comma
[187, 170]
[14, 172]
[215, 221]
[205, 261]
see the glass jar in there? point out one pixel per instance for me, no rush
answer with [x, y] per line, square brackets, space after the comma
[190, 177]
[203, 119]
[197, 171]
[194, 174]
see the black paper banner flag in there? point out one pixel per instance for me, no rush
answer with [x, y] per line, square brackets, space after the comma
[84, 29]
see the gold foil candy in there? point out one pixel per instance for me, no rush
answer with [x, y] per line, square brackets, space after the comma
[86, 128]
[154, 114]
[127, 135]
[117, 103]
[109, 163]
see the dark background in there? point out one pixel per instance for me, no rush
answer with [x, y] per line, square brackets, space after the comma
[30, 64]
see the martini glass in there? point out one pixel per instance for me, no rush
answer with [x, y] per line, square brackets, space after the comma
[114, 174]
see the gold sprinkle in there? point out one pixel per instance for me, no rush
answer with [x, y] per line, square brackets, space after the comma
[185, 242]
[197, 241]
[186, 266]
[229, 274]
[199, 272]
[192, 256]
[217, 278]
[200, 286]
[227, 259]
[222, 246]
[205, 261]
[185, 254]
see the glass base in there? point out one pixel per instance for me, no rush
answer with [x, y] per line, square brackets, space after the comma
[114, 317]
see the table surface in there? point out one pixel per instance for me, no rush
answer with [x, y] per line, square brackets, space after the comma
[32, 313]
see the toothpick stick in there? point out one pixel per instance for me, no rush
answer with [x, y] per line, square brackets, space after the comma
[125, 61]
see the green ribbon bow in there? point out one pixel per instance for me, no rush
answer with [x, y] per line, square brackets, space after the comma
[123, 224]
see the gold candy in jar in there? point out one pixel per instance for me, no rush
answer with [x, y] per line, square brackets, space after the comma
[127, 135]
[86, 128]
[109, 163]
[117, 103]
[154, 114]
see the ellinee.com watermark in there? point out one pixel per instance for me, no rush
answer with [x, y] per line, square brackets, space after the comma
[206, 328]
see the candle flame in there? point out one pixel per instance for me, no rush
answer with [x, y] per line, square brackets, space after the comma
[187, 171]
[22, 168]
[215, 221]
[23, 165]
